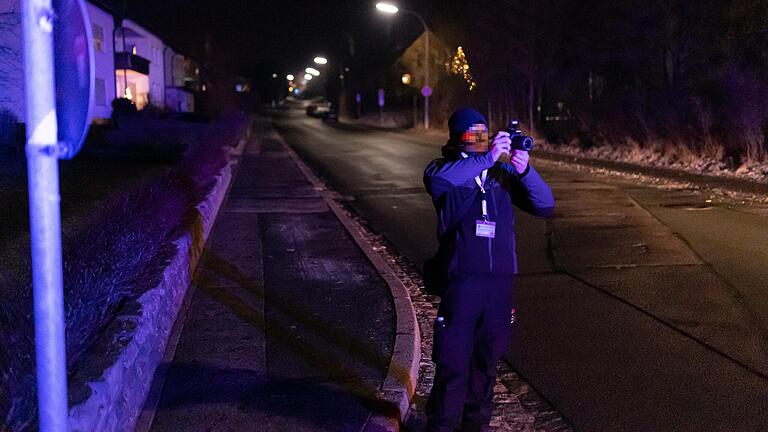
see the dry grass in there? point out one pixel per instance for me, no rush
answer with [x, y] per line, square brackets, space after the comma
[705, 155]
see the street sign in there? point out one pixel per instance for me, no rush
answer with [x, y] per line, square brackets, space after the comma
[426, 91]
[75, 70]
[381, 97]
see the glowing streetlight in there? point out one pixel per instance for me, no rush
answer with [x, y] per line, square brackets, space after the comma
[321, 60]
[290, 77]
[312, 71]
[274, 75]
[387, 7]
[308, 77]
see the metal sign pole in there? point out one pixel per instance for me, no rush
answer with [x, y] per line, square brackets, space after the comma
[426, 73]
[381, 105]
[45, 224]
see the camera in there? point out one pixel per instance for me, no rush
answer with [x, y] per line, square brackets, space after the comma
[519, 141]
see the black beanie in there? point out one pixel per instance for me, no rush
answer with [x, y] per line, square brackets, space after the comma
[461, 120]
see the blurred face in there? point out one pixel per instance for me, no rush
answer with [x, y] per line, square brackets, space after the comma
[475, 139]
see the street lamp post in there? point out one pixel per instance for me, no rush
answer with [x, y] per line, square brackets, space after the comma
[426, 91]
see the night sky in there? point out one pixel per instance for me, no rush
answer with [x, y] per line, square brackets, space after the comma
[256, 36]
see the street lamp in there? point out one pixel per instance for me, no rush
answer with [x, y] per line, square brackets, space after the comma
[290, 77]
[387, 8]
[425, 91]
[312, 71]
[321, 60]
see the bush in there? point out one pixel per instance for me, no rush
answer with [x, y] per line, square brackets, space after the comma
[153, 111]
[122, 107]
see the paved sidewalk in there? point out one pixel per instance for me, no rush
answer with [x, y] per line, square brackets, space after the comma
[289, 326]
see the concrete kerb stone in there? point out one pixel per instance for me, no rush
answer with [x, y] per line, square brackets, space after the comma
[403, 372]
[239, 149]
[118, 397]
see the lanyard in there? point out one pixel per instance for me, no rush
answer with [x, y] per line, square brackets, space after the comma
[480, 180]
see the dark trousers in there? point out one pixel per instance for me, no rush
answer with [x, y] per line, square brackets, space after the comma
[473, 334]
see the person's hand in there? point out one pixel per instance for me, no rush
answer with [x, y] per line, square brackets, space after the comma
[502, 143]
[519, 160]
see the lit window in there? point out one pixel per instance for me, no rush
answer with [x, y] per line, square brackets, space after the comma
[98, 37]
[133, 50]
[406, 78]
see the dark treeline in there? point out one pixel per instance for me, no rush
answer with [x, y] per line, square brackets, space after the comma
[659, 74]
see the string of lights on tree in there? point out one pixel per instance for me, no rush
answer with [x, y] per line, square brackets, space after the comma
[460, 66]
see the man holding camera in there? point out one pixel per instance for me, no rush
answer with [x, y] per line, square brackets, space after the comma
[473, 189]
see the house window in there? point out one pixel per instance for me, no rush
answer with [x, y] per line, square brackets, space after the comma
[100, 92]
[98, 38]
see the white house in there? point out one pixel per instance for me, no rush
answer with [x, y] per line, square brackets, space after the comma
[130, 61]
[102, 27]
[140, 69]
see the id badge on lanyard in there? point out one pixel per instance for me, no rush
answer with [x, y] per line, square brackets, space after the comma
[483, 227]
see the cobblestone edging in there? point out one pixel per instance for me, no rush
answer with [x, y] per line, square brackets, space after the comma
[117, 398]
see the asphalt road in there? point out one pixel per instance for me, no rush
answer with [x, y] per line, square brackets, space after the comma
[641, 308]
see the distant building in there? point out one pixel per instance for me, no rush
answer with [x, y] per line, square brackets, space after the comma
[411, 62]
[178, 95]
[131, 62]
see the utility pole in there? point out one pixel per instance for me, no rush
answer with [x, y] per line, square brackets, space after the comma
[426, 90]
[45, 219]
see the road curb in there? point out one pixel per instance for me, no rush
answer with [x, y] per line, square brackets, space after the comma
[733, 184]
[403, 372]
[118, 396]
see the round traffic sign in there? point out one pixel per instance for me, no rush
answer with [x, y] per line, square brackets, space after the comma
[426, 91]
[74, 63]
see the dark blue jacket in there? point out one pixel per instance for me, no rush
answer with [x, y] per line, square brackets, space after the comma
[451, 182]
